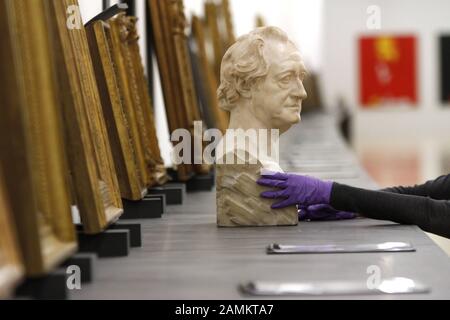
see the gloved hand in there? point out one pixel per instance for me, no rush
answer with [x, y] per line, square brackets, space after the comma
[298, 190]
[323, 212]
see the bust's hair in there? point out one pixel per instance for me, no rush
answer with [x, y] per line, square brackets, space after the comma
[244, 64]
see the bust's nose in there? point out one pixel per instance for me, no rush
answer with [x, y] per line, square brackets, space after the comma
[299, 91]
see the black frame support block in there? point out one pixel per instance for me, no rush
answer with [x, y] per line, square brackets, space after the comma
[49, 287]
[86, 263]
[108, 244]
[174, 192]
[135, 232]
[148, 208]
[201, 182]
[163, 199]
[173, 174]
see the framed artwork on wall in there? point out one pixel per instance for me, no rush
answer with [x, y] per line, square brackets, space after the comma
[388, 70]
[444, 51]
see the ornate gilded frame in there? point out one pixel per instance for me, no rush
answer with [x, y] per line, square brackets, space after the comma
[93, 171]
[32, 149]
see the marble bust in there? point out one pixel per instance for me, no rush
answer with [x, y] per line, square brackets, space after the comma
[262, 87]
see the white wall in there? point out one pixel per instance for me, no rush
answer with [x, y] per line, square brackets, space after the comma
[90, 8]
[344, 21]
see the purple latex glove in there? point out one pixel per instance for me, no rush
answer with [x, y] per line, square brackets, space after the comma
[303, 191]
[324, 212]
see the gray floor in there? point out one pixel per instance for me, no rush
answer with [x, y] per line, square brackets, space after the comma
[185, 256]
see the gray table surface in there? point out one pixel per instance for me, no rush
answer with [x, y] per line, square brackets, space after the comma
[185, 256]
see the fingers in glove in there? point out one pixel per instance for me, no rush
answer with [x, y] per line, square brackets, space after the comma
[274, 175]
[272, 183]
[318, 207]
[274, 194]
[283, 204]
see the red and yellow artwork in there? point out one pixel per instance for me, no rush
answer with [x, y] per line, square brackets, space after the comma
[387, 70]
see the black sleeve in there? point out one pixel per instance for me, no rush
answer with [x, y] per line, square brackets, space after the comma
[428, 214]
[438, 189]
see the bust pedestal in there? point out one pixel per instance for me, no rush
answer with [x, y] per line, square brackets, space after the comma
[238, 199]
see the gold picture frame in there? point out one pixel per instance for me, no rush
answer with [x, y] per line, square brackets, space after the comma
[162, 41]
[181, 100]
[219, 31]
[219, 116]
[213, 36]
[156, 161]
[93, 171]
[137, 103]
[179, 113]
[11, 267]
[229, 25]
[179, 26]
[33, 157]
[260, 21]
[131, 182]
[117, 34]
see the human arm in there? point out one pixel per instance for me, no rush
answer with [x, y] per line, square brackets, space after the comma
[432, 215]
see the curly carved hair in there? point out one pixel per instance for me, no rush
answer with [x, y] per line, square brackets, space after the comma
[244, 64]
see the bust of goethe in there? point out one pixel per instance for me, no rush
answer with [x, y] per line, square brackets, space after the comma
[262, 87]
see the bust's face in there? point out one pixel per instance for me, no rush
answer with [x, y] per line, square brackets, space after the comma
[277, 100]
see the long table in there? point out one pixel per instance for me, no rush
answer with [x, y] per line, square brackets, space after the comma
[185, 256]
